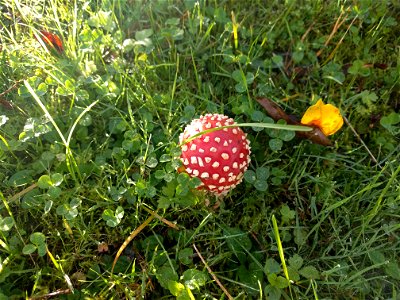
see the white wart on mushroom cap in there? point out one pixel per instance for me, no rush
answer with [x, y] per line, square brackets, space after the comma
[219, 158]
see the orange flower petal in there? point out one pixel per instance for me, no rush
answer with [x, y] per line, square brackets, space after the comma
[326, 117]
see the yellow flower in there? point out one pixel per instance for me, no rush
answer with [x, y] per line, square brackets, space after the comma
[324, 116]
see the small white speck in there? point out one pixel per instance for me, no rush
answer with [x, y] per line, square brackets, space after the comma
[234, 131]
[226, 143]
[196, 172]
[201, 164]
[215, 164]
[207, 159]
[234, 150]
[215, 176]
[230, 141]
[189, 170]
[185, 161]
[241, 155]
[225, 129]
[224, 155]
[226, 169]
[235, 165]
[243, 137]
[218, 124]
[193, 160]
[222, 180]
[201, 150]
[211, 187]
[206, 139]
[221, 188]
[184, 148]
[208, 125]
[213, 149]
[217, 139]
[193, 147]
[204, 175]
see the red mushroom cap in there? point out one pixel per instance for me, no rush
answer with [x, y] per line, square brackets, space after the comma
[218, 158]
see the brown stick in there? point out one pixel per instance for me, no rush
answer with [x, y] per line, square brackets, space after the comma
[212, 274]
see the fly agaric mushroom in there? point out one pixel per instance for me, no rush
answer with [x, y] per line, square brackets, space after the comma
[218, 158]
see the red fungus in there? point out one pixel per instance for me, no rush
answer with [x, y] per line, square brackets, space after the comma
[218, 158]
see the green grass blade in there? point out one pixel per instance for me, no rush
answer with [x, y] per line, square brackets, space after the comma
[280, 247]
[70, 160]
[46, 112]
[87, 109]
[378, 203]
[260, 125]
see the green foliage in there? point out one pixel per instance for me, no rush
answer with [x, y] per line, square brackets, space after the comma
[113, 218]
[242, 80]
[68, 210]
[37, 242]
[258, 178]
[6, 224]
[391, 122]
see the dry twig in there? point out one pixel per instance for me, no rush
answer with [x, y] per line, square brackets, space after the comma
[212, 274]
[169, 223]
[130, 238]
[360, 139]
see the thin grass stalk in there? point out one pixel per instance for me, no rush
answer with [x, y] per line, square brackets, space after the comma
[280, 250]
[70, 160]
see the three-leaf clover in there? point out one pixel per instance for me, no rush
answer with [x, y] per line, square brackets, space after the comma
[38, 242]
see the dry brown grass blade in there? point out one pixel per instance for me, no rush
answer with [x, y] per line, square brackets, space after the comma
[330, 56]
[14, 86]
[339, 22]
[51, 295]
[21, 193]
[305, 34]
[361, 140]
[130, 238]
[165, 221]
[212, 274]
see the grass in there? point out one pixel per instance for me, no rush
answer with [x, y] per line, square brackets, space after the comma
[89, 147]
